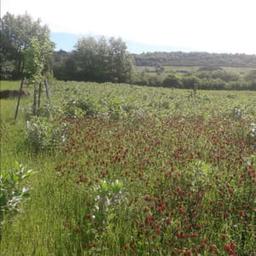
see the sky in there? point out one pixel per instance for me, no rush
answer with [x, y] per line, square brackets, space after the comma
[188, 25]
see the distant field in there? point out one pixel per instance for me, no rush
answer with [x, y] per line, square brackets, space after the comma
[241, 70]
[9, 85]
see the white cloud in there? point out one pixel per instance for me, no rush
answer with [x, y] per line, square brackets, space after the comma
[207, 25]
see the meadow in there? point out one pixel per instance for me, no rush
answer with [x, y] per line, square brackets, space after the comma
[194, 68]
[121, 169]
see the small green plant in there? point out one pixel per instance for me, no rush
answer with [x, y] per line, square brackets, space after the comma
[237, 113]
[11, 190]
[199, 174]
[253, 131]
[251, 136]
[108, 196]
[80, 108]
[42, 134]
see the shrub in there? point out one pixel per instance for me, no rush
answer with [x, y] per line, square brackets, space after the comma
[42, 134]
[212, 84]
[190, 82]
[108, 195]
[80, 108]
[11, 191]
[172, 81]
[219, 74]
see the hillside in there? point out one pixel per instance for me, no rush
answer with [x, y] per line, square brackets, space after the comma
[194, 59]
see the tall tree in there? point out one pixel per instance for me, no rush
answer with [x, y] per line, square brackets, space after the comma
[97, 60]
[16, 33]
[120, 60]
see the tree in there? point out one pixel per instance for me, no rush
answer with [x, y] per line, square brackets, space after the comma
[97, 60]
[36, 59]
[251, 78]
[59, 61]
[172, 81]
[36, 67]
[120, 61]
[16, 33]
[85, 57]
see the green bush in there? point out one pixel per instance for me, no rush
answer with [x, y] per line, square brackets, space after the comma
[212, 84]
[11, 190]
[190, 82]
[43, 135]
[80, 107]
[172, 81]
[219, 74]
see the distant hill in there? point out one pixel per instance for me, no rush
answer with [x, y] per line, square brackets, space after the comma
[194, 59]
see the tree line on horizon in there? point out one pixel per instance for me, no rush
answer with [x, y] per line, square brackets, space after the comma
[195, 59]
[107, 60]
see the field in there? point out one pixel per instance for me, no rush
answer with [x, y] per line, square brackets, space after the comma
[126, 170]
[191, 69]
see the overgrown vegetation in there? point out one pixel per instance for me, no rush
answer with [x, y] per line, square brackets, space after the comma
[204, 78]
[135, 171]
[123, 169]
[11, 191]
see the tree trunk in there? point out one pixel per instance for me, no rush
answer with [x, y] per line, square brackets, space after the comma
[18, 102]
[35, 102]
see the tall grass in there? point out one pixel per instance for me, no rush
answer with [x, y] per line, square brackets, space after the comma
[183, 166]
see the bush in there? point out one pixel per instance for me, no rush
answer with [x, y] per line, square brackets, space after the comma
[251, 76]
[11, 191]
[238, 85]
[190, 82]
[212, 84]
[219, 74]
[172, 81]
[42, 134]
[148, 79]
[80, 108]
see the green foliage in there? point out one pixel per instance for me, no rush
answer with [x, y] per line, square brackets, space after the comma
[11, 190]
[209, 61]
[36, 57]
[219, 74]
[108, 196]
[172, 81]
[174, 174]
[203, 78]
[252, 135]
[7, 69]
[33, 65]
[190, 82]
[81, 107]
[16, 34]
[251, 76]
[43, 134]
[95, 60]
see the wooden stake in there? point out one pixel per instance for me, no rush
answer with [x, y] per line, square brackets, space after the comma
[18, 102]
[35, 100]
[47, 90]
[39, 95]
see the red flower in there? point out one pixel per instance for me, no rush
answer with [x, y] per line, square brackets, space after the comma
[149, 220]
[230, 249]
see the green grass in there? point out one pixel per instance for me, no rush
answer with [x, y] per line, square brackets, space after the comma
[241, 70]
[186, 186]
[9, 85]
[14, 148]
